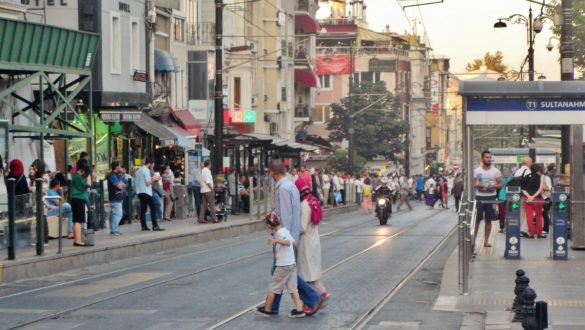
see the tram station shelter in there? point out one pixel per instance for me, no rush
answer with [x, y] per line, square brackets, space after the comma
[530, 103]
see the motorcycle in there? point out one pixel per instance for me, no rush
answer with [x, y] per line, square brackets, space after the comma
[384, 207]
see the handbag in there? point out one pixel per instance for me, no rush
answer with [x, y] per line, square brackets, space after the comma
[338, 198]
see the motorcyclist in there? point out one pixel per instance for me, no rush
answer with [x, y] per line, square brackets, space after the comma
[384, 191]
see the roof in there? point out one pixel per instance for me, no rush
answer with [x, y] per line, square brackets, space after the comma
[28, 47]
[523, 88]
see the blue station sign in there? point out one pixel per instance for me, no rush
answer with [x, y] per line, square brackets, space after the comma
[528, 111]
[525, 104]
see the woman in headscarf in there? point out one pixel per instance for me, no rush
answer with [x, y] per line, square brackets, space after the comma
[16, 172]
[309, 248]
[80, 183]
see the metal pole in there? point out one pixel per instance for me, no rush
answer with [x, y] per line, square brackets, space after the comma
[218, 150]
[350, 148]
[40, 217]
[567, 72]
[60, 247]
[11, 185]
[42, 118]
[531, 128]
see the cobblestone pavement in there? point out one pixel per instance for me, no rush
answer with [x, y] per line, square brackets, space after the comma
[199, 286]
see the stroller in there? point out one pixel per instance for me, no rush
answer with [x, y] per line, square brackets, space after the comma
[222, 208]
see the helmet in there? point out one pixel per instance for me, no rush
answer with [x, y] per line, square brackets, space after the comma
[384, 181]
[272, 219]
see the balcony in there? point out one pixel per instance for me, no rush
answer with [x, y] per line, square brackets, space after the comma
[201, 34]
[302, 112]
[337, 21]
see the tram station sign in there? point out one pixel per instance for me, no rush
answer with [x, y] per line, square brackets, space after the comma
[526, 103]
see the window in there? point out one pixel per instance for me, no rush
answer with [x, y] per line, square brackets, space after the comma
[116, 45]
[237, 93]
[197, 71]
[325, 81]
[178, 29]
[283, 96]
[428, 137]
[135, 45]
[371, 77]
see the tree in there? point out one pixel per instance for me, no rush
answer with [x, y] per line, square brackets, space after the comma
[338, 161]
[492, 62]
[578, 32]
[379, 130]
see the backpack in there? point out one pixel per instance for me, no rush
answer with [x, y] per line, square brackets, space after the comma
[518, 181]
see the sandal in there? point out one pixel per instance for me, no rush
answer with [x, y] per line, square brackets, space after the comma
[487, 245]
[77, 244]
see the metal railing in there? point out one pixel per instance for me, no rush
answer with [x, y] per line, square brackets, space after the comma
[201, 34]
[467, 216]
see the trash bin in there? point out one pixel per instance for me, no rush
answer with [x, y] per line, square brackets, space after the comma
[181, 202]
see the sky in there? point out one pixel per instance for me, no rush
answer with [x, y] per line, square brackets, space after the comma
[462, 30]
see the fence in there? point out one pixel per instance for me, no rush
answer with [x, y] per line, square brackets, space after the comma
[466, 225]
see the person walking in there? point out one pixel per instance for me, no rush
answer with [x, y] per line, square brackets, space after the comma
[547, 195]
[404, 190]
[532, 190]
[443, 193]
[207, 193]
[309, 250]
[520, 174]
[367, 203]
[80, 183]
[457, 190]
[168, 180]
[285, 269]
[486, 180]
[117, 183]
[287, 205]
[359, 189]
[506, 178]
[420, 187]
[144, 182]
[196, 189]
[335, 186]
[326, 188]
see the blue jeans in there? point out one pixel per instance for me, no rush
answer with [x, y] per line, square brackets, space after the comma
[157, 206]
[197, 197]
[65, 209]
[116, 213]
[308, 295]
[358, 198]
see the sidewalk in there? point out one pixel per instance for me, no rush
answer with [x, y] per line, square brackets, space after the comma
[132, 243]
[491, 287]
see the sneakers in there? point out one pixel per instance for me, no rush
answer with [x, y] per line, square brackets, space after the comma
[260, 310]
[296, 314]
[116, 233]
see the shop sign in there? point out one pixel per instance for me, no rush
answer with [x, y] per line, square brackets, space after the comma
[246, 116]
[140, 76]
[377, 65]
[120, 116]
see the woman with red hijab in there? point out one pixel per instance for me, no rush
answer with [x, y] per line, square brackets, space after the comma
[16, 172]
[309, 248]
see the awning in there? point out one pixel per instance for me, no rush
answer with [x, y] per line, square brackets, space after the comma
[187, 121]
[306, 77]
[156, 129]
[183, 141]
[306, 23]
[163, 61]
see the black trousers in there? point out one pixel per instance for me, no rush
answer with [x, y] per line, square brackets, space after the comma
[147, 201]
[546, 215]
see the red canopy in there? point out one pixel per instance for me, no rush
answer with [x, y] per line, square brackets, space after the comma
[187, 121]
[306, 23]
[306, 77]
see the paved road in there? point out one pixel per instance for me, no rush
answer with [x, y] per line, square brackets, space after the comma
[200, 286]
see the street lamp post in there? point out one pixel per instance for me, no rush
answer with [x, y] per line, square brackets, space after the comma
[533, 26]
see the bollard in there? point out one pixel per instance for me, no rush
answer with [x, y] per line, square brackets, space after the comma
[519, 274]
[524, 284]
[529, 320]
[11, 187]
[129, 208]
[40, 217]
[541, 315]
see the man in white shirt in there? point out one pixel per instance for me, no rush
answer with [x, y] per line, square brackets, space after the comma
[486, 180]
[208, 198]
[144, 191]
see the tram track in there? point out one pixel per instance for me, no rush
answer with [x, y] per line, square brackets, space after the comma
[57, 314]
[376, 307]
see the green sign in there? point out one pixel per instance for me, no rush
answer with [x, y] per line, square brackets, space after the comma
[249, 116]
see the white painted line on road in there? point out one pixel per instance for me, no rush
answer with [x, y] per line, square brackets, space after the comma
[446, 303]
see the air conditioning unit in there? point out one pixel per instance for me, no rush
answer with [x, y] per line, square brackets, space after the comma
[254, 101]
[273, 128]
[253, 47]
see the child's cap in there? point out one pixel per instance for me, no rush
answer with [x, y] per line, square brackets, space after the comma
[272, 219]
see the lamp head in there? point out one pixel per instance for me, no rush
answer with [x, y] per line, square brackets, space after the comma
[499, 24]
[537, 25]
[550, 46]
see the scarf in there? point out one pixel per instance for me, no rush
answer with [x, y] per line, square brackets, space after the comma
[314, 204]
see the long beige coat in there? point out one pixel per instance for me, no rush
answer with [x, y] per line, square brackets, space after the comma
[309, 250]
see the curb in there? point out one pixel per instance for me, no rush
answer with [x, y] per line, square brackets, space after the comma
[28, 268]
